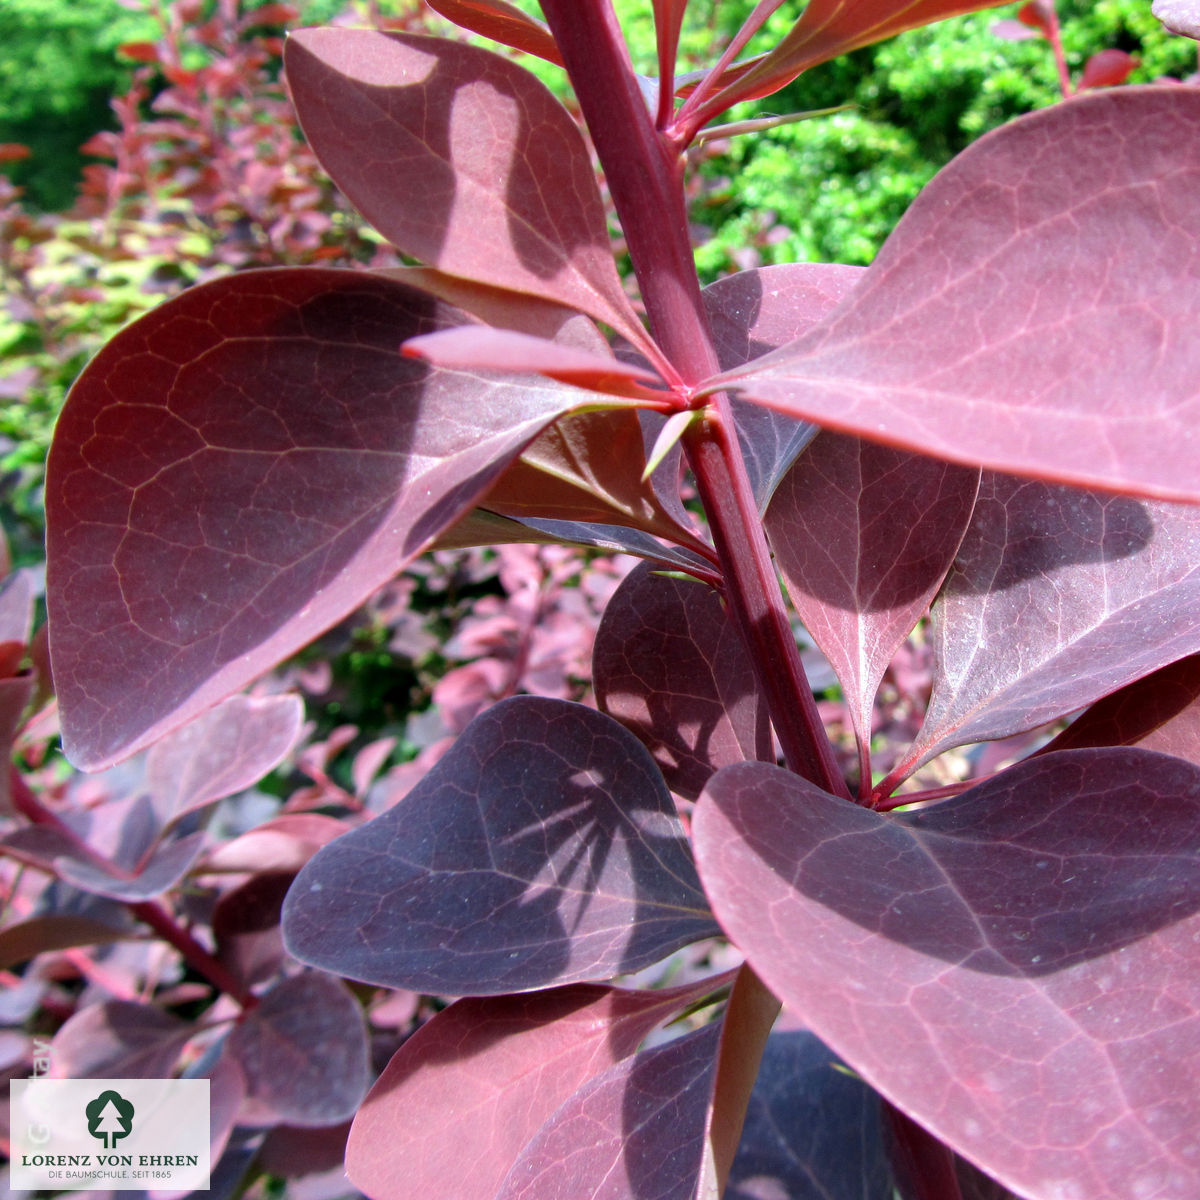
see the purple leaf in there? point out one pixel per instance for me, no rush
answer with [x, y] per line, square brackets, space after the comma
[472, 1087]
[637, 1131]
[499, 187]
[245, 926]
[812, 1130]
[1014, 968]
[119, 1039]
[221, 752]
[237, 471]
[1057, 597]
[543, 848]
[1179, 16]
[161, 870]
[960, 344]
[752, 313]
[303, 1050]
[864, 535]
[670, 665]
[1160, 712]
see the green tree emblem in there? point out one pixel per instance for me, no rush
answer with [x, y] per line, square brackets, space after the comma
[109, 1117]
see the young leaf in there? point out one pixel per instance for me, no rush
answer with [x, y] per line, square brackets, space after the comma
[864, 535]
[221, 752]
[240, 469]
[1085, 374]
[472, 1087]
[826, 29]
[1014, 967]
[304, 1052]
[637, 1130]
[543, 848]
[502, 22]
[669, 664]
[499, 187]
[754, 312]
[1057, 597]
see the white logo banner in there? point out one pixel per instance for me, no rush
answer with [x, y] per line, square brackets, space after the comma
[122, 1134]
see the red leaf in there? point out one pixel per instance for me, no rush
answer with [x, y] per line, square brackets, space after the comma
[1089, 373]
[239, 470]
[146, 52]
[502, 22]
[13, 151]
[669, 665]
[1107, 69]
[499, 187]
[1014, 968]
[864, 535]
[469, 1090]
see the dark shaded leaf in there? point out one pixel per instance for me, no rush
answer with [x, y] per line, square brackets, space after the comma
[53, 931]
[812, 1131]
[469, 1090]
[543, 848]
[221, 752]
[237, 471]
[670, 665]
[245, 926]
[1057, 597]
[499, 187]
[1160, 712]
[1023, 369]
[637, 1131]
[864, 535]
[303, 1050]
[118, 1039]
[754, 312]
[1014, 967]
[161, 870]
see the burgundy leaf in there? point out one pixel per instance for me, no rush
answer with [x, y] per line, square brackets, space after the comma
[1160, 712]
[118, 1039]
[1014, 968]
[237, 471]
[1057, 597]
[285, 843]
[221, 752]
[864, 535]
[752, 313]
[1107, 69]
[16, 620]
[543, 848]
[473, 1086]
[15, 695]
[502, 22]
[303, 1050]
[812, 1129]
[291, 1152]
[498, 184]
[507, 350]
[1179, 16]
[959, 343]
[637, 1131]
[669, 664]
[245, 926]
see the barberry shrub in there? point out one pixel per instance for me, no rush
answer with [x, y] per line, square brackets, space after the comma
[994, 424]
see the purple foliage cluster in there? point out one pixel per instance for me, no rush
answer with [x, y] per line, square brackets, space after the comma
[986, 437]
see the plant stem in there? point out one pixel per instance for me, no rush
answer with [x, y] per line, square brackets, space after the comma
[146, 911]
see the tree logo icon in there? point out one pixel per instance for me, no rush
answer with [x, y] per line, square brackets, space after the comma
[109, 1117]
